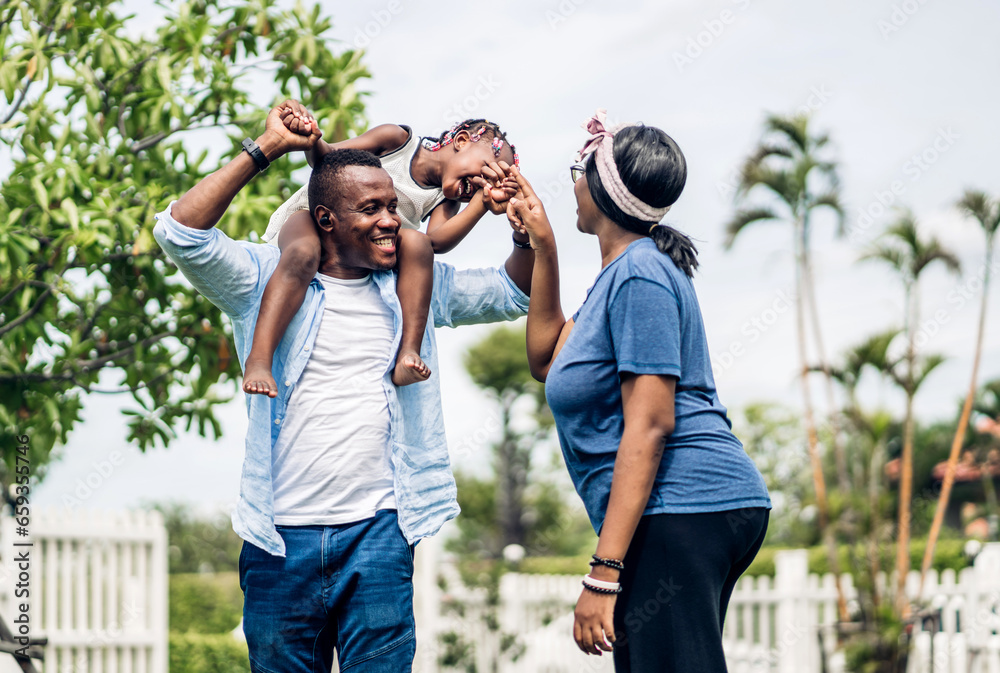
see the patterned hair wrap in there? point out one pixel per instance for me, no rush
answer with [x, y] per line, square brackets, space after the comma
[498, 138]
[601, 145]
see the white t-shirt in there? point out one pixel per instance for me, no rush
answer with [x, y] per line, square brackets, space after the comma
[331, 462]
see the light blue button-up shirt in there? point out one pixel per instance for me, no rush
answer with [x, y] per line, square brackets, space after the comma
[232, 275]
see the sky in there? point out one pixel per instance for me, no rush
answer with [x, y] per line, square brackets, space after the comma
[907, 91]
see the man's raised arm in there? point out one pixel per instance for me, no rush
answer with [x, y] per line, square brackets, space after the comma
[204, 204]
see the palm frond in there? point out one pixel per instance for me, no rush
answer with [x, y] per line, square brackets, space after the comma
[933, 251]
[781, 183]
[831, 200]
[904, 230]
[794, 127]
[742, 219]
[767, 150]
[873, 352]
[889, 254]
[980, 206]
[925, 365]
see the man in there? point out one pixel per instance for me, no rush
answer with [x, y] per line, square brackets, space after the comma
[343, 473]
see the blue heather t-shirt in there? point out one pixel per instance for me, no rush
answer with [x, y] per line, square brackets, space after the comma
[642, 316]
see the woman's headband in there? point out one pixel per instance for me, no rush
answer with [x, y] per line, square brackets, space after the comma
[601, 145]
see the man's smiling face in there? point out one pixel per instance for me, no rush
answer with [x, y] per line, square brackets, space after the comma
[365, 222]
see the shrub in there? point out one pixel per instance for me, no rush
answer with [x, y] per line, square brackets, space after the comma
[209, 603]
[213, 653]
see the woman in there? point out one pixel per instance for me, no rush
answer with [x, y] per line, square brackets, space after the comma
[679, 507]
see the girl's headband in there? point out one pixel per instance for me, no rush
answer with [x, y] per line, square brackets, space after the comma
[601, 145]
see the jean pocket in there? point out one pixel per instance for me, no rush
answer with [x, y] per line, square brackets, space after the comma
[242, 566]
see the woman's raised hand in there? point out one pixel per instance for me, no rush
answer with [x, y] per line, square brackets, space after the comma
[527, 214]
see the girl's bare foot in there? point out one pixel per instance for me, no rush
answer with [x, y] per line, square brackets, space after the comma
[258, 380]
[409, 369]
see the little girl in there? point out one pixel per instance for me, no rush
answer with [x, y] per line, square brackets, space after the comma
[431, 178]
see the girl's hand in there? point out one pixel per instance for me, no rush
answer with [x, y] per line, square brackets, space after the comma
[297, 118]
[594, 625]
[292, 135]
[527, 214]
[496, 187]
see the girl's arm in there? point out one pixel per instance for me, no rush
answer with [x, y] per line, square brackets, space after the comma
[648, 406]
[547, 326]
[447, 227]
[379, 140]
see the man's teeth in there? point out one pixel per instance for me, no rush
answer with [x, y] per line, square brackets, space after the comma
[384, 242]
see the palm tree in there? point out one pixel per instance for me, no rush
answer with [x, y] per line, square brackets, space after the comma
[872, 431]
[909, 255]
[986, 211]
[786, 164]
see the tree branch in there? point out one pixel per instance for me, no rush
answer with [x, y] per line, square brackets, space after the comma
[17, 104]
[20, 286]
[90, 365]
[17, 288]
[25, 316]
[149, 141]
[9, 18]
[85, 366]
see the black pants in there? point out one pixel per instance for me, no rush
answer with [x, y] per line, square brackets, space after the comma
[679, 574]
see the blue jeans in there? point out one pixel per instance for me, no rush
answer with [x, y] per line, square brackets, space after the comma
[347, 587]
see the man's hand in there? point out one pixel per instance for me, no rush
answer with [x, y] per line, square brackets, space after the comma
[289, 128]
[204, 204]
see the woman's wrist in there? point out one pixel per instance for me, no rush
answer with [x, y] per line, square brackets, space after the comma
[605, 573]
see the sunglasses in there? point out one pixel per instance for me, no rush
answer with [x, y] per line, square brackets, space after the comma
[577, 171]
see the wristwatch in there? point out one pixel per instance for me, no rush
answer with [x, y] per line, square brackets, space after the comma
[256, 154]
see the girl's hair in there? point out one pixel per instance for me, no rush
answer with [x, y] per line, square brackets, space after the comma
[477, 129]
[652, 167]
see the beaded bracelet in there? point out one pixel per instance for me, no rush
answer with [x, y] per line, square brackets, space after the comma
[609, 562]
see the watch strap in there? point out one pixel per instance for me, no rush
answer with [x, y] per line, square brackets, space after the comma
[526, 245]
[256, 154]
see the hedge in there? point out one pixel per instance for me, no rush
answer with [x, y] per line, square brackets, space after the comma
[948, 554]
[211, 653]
[205, 603]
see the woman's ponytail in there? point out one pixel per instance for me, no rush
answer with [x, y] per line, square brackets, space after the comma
[677, 246]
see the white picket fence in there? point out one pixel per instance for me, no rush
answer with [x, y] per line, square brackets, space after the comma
[98, 584]
[773, 624]
[99, 596]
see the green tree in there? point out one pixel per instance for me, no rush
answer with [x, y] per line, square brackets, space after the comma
[199, 544]
[986, 212]
[96, 123]
[869, 435]
[909, 255]
[515, 505]
[788, 167]
[773, 435]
